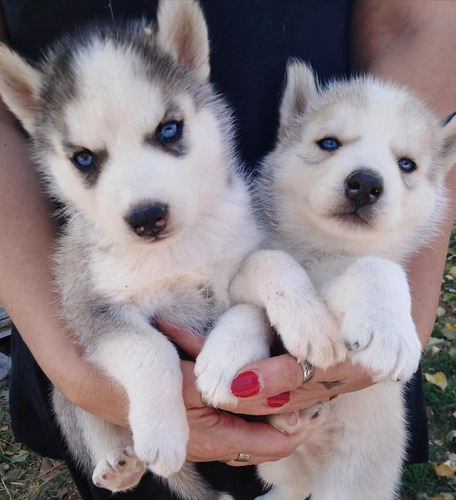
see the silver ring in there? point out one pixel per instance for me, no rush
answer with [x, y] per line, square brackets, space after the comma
[308, 370]
[242, 457]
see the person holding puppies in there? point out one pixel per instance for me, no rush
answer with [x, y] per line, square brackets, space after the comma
[250, 45]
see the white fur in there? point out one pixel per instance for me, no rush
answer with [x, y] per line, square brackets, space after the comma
[354, 261]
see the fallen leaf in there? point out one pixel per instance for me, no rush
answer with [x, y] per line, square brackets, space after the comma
[449, 333]
[433, 342]
[13, 475]
[438, 379]
[50, 468]
[434, 350]
[20, 457]
[451, 436]
[452, 271]
[444, 496]
[62, 493]
[444, 470]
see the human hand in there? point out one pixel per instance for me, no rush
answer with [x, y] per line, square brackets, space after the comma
[216, 435]
[274, 385]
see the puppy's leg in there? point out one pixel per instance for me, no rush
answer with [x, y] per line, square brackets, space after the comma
[372, 301]
[147, 365]
[241, 336]
[275, 281]
[93, 441]
[367, 463]
[293, 476]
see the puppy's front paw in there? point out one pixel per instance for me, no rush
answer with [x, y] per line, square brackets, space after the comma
[386, 343]
[239, 338]
[214, 375]
[310, 333]
[119, 471]
[160, 437]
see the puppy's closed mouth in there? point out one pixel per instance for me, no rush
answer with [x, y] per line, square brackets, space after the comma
[150, 237]
[354, 218]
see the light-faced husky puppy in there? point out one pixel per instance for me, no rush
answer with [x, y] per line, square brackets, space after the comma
[131, 139]
[354, 186]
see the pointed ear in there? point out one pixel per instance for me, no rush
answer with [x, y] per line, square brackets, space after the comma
[20, 85]
[301, 87]
[182, 33]
[448, 149]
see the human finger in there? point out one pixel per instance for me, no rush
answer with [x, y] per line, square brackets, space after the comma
[268, 377]
[270, 393]
[191, 343]
[220, 436]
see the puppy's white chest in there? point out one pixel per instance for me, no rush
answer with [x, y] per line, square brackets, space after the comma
[191, 298]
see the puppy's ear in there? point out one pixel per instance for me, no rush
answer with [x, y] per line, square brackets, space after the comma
[449, 141]
[182, 33]
[301, 87]
[20, 85]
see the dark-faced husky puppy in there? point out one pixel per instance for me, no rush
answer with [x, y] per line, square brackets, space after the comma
[354, 186]
[131, 139]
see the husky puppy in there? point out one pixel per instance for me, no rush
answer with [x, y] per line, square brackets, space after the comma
[354, 186]
[134, 143]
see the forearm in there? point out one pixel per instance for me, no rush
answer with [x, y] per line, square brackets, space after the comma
[414, 45]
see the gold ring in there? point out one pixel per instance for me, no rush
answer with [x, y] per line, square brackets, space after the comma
[308, 371]
[242, 457]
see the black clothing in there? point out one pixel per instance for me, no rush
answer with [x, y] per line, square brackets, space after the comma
[251, 41]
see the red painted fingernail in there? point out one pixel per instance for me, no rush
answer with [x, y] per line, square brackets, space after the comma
[333, 397]
[279, 400]
[245, 385]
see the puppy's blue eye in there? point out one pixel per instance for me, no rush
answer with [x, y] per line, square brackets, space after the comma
[406, 165]
[170, 132]
[328, 144]
[84, 160]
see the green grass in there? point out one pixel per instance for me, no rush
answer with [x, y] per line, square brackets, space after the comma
[421, 481]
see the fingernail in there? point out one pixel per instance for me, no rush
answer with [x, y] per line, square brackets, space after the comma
[333, 397]
[245, 385]
[279, 400]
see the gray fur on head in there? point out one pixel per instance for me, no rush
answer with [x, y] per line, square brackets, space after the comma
[301, 86]
[181, 34]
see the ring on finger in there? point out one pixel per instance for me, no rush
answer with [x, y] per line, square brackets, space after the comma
[308, 371]
[242, 457]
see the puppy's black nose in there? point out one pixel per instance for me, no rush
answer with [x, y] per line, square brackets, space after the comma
[363, 187]
[148, 220]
